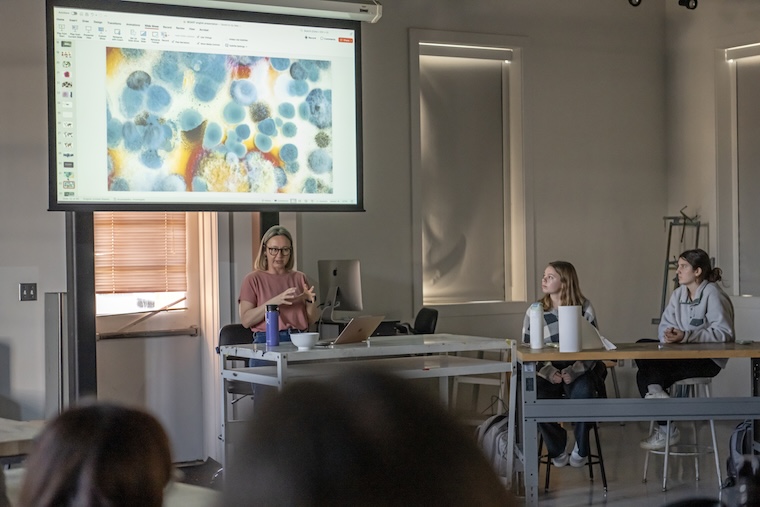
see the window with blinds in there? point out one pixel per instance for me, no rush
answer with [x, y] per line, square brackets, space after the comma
[140, 261]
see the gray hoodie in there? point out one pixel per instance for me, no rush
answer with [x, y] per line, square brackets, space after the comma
[707, 318]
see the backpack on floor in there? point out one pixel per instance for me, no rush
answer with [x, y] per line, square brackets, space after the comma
[739, 444]
[492, 439]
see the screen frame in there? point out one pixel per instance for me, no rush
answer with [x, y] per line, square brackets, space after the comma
[199, 12]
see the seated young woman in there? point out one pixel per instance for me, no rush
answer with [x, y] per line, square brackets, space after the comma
[564, 379]
[698, 312]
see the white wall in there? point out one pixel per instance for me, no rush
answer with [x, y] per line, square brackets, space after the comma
[597, 87]
[32, 240]
[693, 161]
[595, 141]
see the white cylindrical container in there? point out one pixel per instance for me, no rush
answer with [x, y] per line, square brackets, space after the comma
[536, 319]
[569, 328]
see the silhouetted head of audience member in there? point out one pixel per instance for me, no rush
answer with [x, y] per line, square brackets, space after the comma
[359, 439]
[98, 455]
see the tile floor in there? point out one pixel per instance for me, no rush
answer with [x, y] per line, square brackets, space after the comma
[624, 465]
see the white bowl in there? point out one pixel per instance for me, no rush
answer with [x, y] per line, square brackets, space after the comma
[304, 341]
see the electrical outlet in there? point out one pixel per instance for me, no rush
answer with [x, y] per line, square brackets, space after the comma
[621, 363]
[27, 292]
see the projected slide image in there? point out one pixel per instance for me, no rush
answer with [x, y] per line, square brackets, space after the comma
[196, 122]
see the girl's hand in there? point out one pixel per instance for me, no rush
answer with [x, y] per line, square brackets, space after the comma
[673, 335]
[556, 378]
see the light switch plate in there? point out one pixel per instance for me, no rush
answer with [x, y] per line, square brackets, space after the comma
[27, 292]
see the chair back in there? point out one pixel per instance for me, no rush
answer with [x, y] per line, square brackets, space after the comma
[234, 334]
[426, 320]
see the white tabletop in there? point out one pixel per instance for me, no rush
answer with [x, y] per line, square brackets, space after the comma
[376, 346]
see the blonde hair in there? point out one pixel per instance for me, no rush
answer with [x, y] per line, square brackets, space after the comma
[261, 263]
[570, 289]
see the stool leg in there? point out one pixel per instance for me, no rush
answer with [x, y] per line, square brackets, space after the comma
[715, 452]
[646, 458]
[665, 461]
[548, 462]
[696, 449]
[601, 458]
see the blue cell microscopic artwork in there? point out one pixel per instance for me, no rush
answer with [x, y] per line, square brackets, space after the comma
[168, 69]
[198, 122]
[280, 178]
[268, 127]
[119, 185]
[298, 88]
[286, 110]
[138, 80]
[171, 183]
[298, 71]
[263, 142]
[189, 119]
[151, 159]
[320, 108]
[310, 186]
[132, 135]
[158, 99]
[289, 153]
[153, 137]
[280, 64]
[199, 185]
[289, 129]
[243, 92]
[212, 136]
[292, 167]
[234, 113]
[113, 132]
[205, 88]
[320, 161]
[131, 101]
[243, 131]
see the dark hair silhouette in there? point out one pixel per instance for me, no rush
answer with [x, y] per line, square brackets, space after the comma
[98, 455]
[359, 439]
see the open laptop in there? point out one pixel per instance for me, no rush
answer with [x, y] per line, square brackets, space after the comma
[359, 329]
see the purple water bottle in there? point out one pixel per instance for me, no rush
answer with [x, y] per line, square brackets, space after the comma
[273, 325]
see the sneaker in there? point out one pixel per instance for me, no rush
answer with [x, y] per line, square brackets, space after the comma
[657, 395]
[576, 460]
[560, 460]
[656, 441]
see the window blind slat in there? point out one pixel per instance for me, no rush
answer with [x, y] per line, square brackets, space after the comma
[140, 252]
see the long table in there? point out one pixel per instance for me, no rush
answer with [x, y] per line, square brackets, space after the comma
[412, 357]
[533, 411]
[16, 438]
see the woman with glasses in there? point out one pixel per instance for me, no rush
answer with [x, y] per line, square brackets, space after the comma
[698, 312]
[273, 281]
[563, 379]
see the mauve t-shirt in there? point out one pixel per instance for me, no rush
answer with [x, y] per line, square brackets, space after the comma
[260, 286]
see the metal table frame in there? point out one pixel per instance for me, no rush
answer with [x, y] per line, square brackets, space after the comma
[533, 411]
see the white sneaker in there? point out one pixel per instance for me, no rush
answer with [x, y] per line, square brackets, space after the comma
[560, 460]
[656, 441]
[576, 460]
[657, 395]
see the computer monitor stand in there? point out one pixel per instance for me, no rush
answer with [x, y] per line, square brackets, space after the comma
[330, 305]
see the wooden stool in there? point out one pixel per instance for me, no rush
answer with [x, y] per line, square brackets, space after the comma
[697, 387]
[593, 459]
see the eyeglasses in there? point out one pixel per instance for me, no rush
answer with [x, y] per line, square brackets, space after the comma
[273, 251]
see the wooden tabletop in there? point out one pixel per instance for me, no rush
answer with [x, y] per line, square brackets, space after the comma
[16, 437]
[643, 351]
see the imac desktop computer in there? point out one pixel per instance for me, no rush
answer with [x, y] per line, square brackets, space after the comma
[340, 287]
